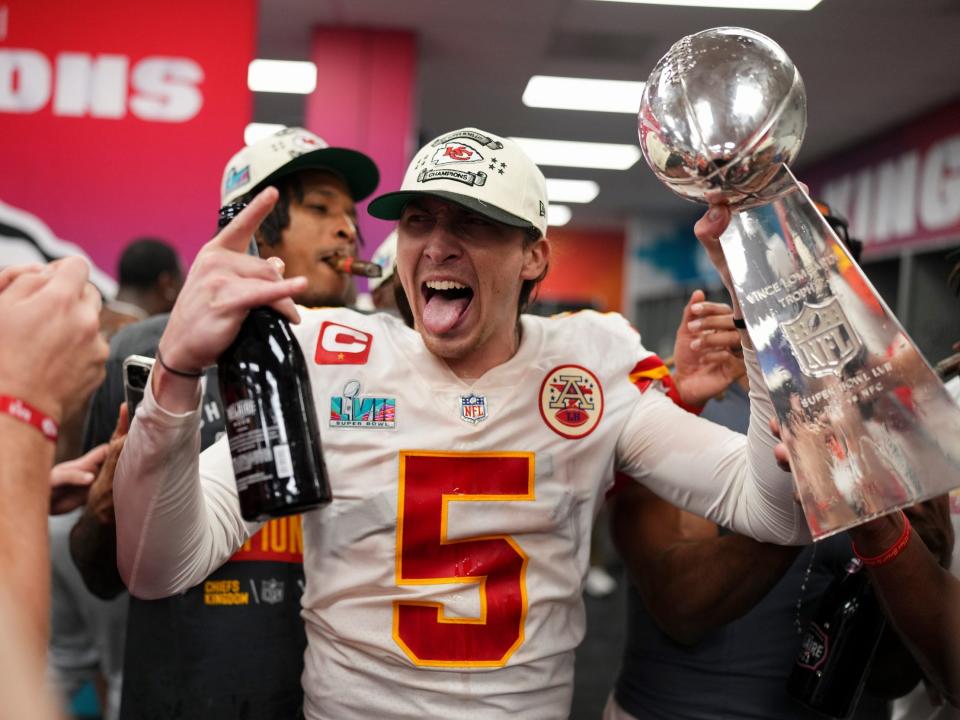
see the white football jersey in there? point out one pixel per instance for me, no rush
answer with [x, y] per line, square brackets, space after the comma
[445, 577]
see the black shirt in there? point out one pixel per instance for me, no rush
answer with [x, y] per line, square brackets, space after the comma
[231, 647]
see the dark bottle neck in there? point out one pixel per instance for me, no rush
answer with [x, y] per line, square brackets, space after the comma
[228, 213]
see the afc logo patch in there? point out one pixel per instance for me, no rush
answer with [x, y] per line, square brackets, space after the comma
[571, 401]
[342, 345]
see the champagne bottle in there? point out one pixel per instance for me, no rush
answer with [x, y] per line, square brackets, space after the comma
[271, 420]
[838, 647]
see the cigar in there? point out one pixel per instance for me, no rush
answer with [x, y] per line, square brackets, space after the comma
[948, 367]
[350, 265]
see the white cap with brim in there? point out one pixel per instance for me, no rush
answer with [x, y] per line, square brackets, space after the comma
[291, 150]
[477, 170]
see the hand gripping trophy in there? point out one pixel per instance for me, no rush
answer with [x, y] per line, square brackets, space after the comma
[868, 424]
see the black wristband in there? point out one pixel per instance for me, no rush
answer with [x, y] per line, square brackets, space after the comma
[738, 323]
[181, 373]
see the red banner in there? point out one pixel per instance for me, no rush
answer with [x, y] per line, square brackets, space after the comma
[117, 118]
[901, 189]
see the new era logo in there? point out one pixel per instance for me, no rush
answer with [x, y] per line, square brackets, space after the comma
[342, 345]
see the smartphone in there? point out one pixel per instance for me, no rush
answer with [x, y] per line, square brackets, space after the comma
[136, 371]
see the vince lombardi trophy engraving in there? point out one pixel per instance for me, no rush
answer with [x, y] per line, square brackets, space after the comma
[868, 424]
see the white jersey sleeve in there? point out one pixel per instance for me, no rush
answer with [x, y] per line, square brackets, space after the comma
[709, 470]
[178, 514]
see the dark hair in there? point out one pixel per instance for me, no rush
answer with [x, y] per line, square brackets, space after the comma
[530, 236]
[840, 226]
[272, 227]
[144, 260]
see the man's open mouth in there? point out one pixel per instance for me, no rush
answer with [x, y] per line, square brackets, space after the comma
[445, 303]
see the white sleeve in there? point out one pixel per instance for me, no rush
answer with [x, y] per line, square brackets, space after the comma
[699, 466]
[178, 515]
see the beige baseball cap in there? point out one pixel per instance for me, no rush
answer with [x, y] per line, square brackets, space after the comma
[481, 171]
[288, 151]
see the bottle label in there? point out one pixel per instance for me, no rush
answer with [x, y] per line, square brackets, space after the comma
[253, 458]
[241, 410]
[282, 461]
[814, 649]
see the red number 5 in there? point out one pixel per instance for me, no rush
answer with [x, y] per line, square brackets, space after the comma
[495, 563]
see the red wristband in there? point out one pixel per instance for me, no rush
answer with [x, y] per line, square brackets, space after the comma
[891, 552]
[25, 412]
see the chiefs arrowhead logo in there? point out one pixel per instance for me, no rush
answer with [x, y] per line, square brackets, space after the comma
[342, 345]
[308, 142]
[456, 152]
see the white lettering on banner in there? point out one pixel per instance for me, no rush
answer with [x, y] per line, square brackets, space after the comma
[902, 197]
[863, 210]
[164, 89]
[167, 89]
[940, 188]
[85, 85]
[24, 81]
[896, 198]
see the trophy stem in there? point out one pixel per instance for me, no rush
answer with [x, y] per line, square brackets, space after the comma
[869, 426]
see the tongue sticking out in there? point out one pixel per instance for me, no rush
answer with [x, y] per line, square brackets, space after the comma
[442, 312]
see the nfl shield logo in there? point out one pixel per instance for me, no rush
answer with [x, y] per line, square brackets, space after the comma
[473, 408]
[271, 591]
[822, 339]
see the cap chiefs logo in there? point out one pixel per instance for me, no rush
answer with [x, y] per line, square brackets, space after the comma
[571, 401]
[458, 152]
[307, 141]
[342, 345]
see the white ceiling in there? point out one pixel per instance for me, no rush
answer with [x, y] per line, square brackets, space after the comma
[868, 65]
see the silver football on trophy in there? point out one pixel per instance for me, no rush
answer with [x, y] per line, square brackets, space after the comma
[722, 112]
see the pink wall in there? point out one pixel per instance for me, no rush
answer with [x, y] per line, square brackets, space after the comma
[371, 74]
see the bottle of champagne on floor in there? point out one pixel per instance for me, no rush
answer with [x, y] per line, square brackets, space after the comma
[270, 416]
[838, 647]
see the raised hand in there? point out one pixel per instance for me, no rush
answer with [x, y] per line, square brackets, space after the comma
[222, 286]
[100, 500]
[49, 330]
[70, 481]
[705, 352]
[708, 230]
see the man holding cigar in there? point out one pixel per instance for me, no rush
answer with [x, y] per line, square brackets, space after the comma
[445, 578]
[232, 646]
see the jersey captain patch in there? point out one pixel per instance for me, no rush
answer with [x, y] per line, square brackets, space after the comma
[342, 345]
[571, 401]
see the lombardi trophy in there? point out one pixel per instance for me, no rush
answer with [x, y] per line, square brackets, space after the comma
[868, 424]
